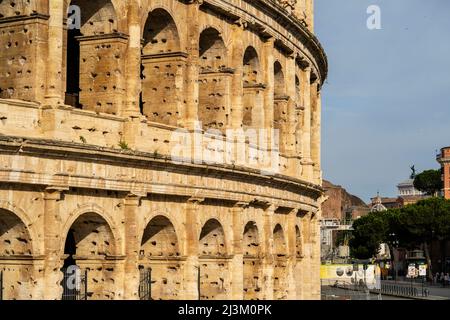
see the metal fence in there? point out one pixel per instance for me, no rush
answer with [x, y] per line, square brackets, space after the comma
[145, 284]
[342, 290]
[75, 285]
[404, 289]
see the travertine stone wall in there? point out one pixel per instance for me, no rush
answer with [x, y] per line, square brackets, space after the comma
[102, 85]
[23, 52]
[89, 120]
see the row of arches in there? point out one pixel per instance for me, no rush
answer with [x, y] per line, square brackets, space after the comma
[95, 72]
[91, 242]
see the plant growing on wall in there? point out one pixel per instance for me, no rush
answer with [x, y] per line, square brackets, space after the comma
[124, 145]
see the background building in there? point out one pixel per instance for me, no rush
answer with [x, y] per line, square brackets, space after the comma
[338, 213]
[444, 160]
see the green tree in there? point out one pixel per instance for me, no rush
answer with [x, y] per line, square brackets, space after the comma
[412, 227]
[425, 222]
[369, 233]
[429, 181]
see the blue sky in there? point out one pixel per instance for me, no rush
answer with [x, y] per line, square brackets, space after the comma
[386, 103]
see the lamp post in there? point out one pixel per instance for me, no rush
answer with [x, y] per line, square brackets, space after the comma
[395, 244]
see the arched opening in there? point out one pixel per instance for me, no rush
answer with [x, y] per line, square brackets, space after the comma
[280, 264]
[253, 90]
[298, 243]
[213, 53]
[163, 68]
[89, 243]
[280, 86]
[160, 33]
[214, 81]
[160, 254]
[15, 257]
[251, 67]
[95, 58]
[253, 281]
[297, 90]
[214, 277]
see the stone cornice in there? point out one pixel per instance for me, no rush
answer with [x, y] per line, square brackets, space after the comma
[107, 36]
[88, 153]
[22, 18]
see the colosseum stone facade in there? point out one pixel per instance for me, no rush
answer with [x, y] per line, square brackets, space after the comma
[95, 98]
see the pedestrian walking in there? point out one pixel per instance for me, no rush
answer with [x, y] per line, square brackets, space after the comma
[436, 278]
[441, 279]
[446, 279]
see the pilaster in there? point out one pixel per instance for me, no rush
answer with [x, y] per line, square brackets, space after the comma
[192, 64]
[237, 286]
[268, 258]
[316, 132]
[269, 78]
[306, 147]
[133, 61]
[55, 79]
[291, 262]
[237, 106]
[132, 245]
[53, 243]
[191, 266]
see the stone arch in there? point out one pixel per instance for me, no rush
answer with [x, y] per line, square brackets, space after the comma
[279, 85]
[24, 218]
[298, 243]
[252, 67]
[94, 209]
[16, 251]
[162, 69]
[15, 239]
[279, 241]
[251, 240]
[253, 281]
[160, 252]
[212, 50]
[253, 90]
[160, 239]
[169, 217]
[97, 17]
[95, 58]
[298, 89]
[212, 239]
[213, 269]
[160, 33]
[93, 236]
[214, 81]
[280, 264]
[88, 244]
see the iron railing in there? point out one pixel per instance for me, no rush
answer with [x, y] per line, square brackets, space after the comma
[407, 290]
[343, 290]
[145, 284]
[75, 289]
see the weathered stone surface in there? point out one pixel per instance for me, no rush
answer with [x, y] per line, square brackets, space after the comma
[90, 119]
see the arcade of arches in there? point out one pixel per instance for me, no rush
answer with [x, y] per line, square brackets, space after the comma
[87, 117]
